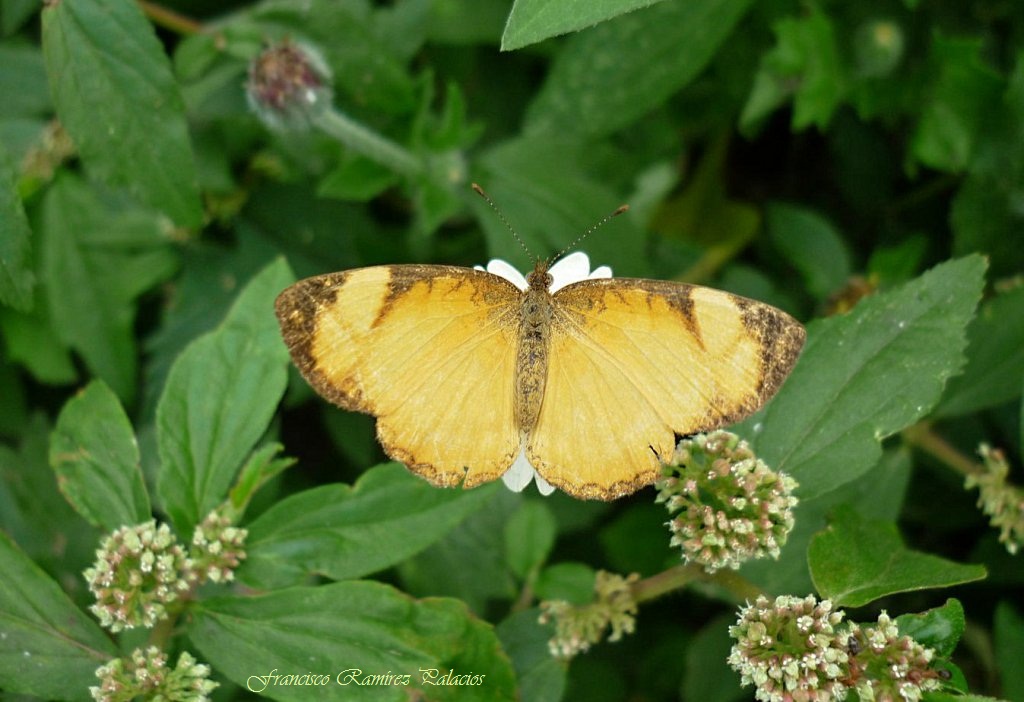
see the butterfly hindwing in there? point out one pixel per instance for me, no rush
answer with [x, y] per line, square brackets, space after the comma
[635, 362]
[428, 350]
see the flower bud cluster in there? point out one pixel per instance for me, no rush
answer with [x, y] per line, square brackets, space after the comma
[578, 627]
[1000, 500]
[888, 667]
[217, 548]
[730, 506]
[139, 570]
[799, 650]
[790, 650]
[145, 675]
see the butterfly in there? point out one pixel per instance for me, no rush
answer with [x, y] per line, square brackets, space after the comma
[586, 384]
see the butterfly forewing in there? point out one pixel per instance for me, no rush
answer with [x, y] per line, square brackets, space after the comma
[633, 363]
[428, 350]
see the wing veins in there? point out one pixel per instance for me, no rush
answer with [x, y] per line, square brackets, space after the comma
[613, 362]
[464, 350]
[601, 352]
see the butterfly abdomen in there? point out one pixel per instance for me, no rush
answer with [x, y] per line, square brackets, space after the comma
[532, 352]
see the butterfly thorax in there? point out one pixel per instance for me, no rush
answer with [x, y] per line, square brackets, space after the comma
[532, 353]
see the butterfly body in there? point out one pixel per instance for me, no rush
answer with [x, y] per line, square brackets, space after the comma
[532, 353]
[464, 371]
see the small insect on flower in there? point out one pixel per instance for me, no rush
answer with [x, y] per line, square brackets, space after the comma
[890, 666]
[791, 644]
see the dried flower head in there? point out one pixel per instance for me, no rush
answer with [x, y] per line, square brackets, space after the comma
[731, 507]
[217, 548]
[138, 571]
[578, 627]
[888, 667]
[52, 149]
[790, 650]
[145, 674]
[879, 46]
[289, 86]
[1000, 500]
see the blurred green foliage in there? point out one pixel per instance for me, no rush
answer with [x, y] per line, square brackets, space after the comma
[827, 157]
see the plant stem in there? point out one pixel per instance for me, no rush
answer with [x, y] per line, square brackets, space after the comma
[680, 576]
[370, 144]
[922, 194]
[712, 260]
[169, 19]
[922, 437]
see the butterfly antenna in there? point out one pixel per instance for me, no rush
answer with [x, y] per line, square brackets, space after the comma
[508, 225]
[604, 220]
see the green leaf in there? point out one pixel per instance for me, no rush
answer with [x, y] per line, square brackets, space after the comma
[985, 216]
[552, 201]
[466, 22]
[32, 342]
[529, 537]
[573, 582]
[16, 277]
[349, 631]
[898, 262]
[940, 628]
[14, 409]
[986, 219]
[963, 92]
[804, 64]
[262, 466]
[617, 72]
[14, 13]
[208, 285]
[865, 376]
[219, 398]
[995, 358]
[115, 94]
[435, 201]
[877, 495]
[707, 677]
[49, 647]
[1009, 649]
[532, 21]
[98, 257]
[703, 213]
[541, 676]
[636, 540]
[342, 531]
[469, 561]
[94, 453]
[356, 178]
[812, 245]
[36, 514]
[854, 562]
[23, 82]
